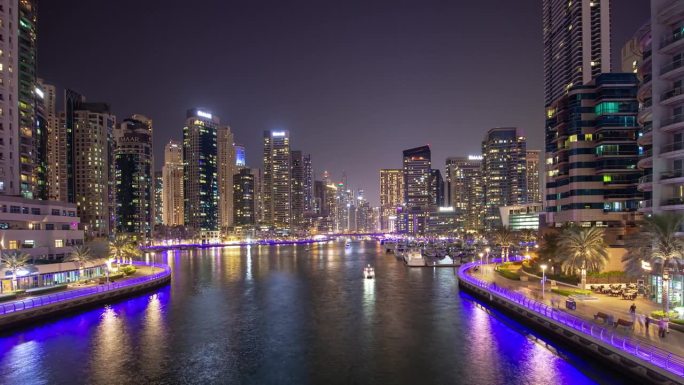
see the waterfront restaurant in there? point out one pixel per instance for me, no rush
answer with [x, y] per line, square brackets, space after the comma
[33, 276]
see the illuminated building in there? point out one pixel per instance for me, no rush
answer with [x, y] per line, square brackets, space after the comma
[661, 109]
[158, 198]
[89, 146]
[240, 156]
[227, 167]
[391, 197]
[297, 190]
[504, 155]
[576, 44]
[243, 184]
[308, 185]
[436, 188]
[173, 202]
[521, 217]
[417, 171]
[133, 182]
[592, 154]
[466, 189]
[44, 117]
[532, 168]
[200, 173]
[277, 184]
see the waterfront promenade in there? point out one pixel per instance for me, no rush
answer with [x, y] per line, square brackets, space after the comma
[586, 309]
[38, 306]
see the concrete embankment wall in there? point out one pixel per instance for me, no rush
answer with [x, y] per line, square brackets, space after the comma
[551, 322]
[37, 313]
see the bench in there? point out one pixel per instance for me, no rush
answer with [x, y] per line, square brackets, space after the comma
[625, 323]
[603, 316]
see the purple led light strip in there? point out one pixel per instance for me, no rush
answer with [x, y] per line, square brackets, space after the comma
[638, 349]
[50, 299]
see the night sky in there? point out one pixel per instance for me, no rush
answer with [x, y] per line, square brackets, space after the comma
[355, 82]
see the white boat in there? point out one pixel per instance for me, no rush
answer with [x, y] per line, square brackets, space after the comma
[390, 246]
[368, 272]
[414, 258]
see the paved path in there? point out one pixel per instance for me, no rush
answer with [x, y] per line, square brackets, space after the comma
[619, 308]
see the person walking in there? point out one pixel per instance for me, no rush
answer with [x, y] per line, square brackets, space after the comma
[661, 328]
[632, 313]
[647, 322]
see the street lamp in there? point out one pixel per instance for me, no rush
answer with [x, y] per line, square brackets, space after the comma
[487, 250]
[482, 267]
[543, 267]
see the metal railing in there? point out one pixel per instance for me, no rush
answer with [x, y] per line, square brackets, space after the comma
[31, 303]
[671, 93]
[671, 66]
[672, 120]
[639, 349]
[646, 179]
[671, 39]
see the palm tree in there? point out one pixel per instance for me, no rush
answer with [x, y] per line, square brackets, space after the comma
[582, 248]
[503, 237]
[660, 247]
[527, 236]
[14, 261]
[119, 247]
[79, 256]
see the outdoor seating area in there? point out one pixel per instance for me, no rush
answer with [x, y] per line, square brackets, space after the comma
[625, 291]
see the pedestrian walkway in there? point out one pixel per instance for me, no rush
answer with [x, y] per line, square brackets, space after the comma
[586, 309]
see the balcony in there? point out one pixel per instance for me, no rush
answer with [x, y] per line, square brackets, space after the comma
[672, 150]
[672, 43]
[646, 205]
[645, 109]
[645, 183]
[672, 203]
[672, 96]
[672, 176]
[672, 70]
[672, 123]
[646, 137]
[645, 159]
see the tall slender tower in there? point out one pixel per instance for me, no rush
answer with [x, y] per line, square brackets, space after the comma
[173, 212]
[297, 177]
[504, 153]
[308, 185]
[201, 188]
[391, 197]
[134, 176]
[467, 189]
[532, 168]
[417, 169]
[226, 169]
[277, 184]
[576, 43]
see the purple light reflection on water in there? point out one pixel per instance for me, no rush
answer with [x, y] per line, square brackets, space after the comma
[283, 315]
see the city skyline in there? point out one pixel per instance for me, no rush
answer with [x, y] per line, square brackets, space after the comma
[251, 94]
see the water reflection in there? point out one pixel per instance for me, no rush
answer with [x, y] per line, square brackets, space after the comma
[153, 338]
[111, 346]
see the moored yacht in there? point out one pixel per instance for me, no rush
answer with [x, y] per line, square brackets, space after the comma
[414, 258]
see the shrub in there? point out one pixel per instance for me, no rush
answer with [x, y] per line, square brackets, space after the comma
[658, 314]
[569, 292]
[128, 270]
[508, 274]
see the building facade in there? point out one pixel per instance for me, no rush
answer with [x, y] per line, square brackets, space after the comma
[158, 198]
[391, 197]
[466, 188]
[534, 192]
[297, 176]
[200, 173]
[504, 152]
[576, 44]
[243, 195]
[227, 167]
[436, 188]
[134, 176]
[592, 155]
[417, 170]
[277, 181]
[173, 196]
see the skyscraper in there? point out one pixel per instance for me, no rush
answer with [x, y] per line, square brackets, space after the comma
[41, 136]
[592, 155]
[467, 190]
[277, 184]
[308, 184]
[532, 168]
[200, 173]
[134, 183]
[243, 183]
[504, 153]
[297, 178]
[436, 188]
[17, 107]
[661, 108]
[227, 167]
[158, 198]
[173, 202]
[417, 171]
[240, 156]
[391, 197]
[576, 43]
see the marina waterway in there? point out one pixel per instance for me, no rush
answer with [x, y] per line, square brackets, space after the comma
[301, 314]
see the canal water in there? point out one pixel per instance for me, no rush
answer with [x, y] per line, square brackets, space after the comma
[287, 315]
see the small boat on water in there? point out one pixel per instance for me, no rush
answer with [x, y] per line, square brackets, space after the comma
[414, 258]
[368, 272]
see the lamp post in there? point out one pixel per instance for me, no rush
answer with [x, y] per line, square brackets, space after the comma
[543, 267]
[482, 267]
[487, 250]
